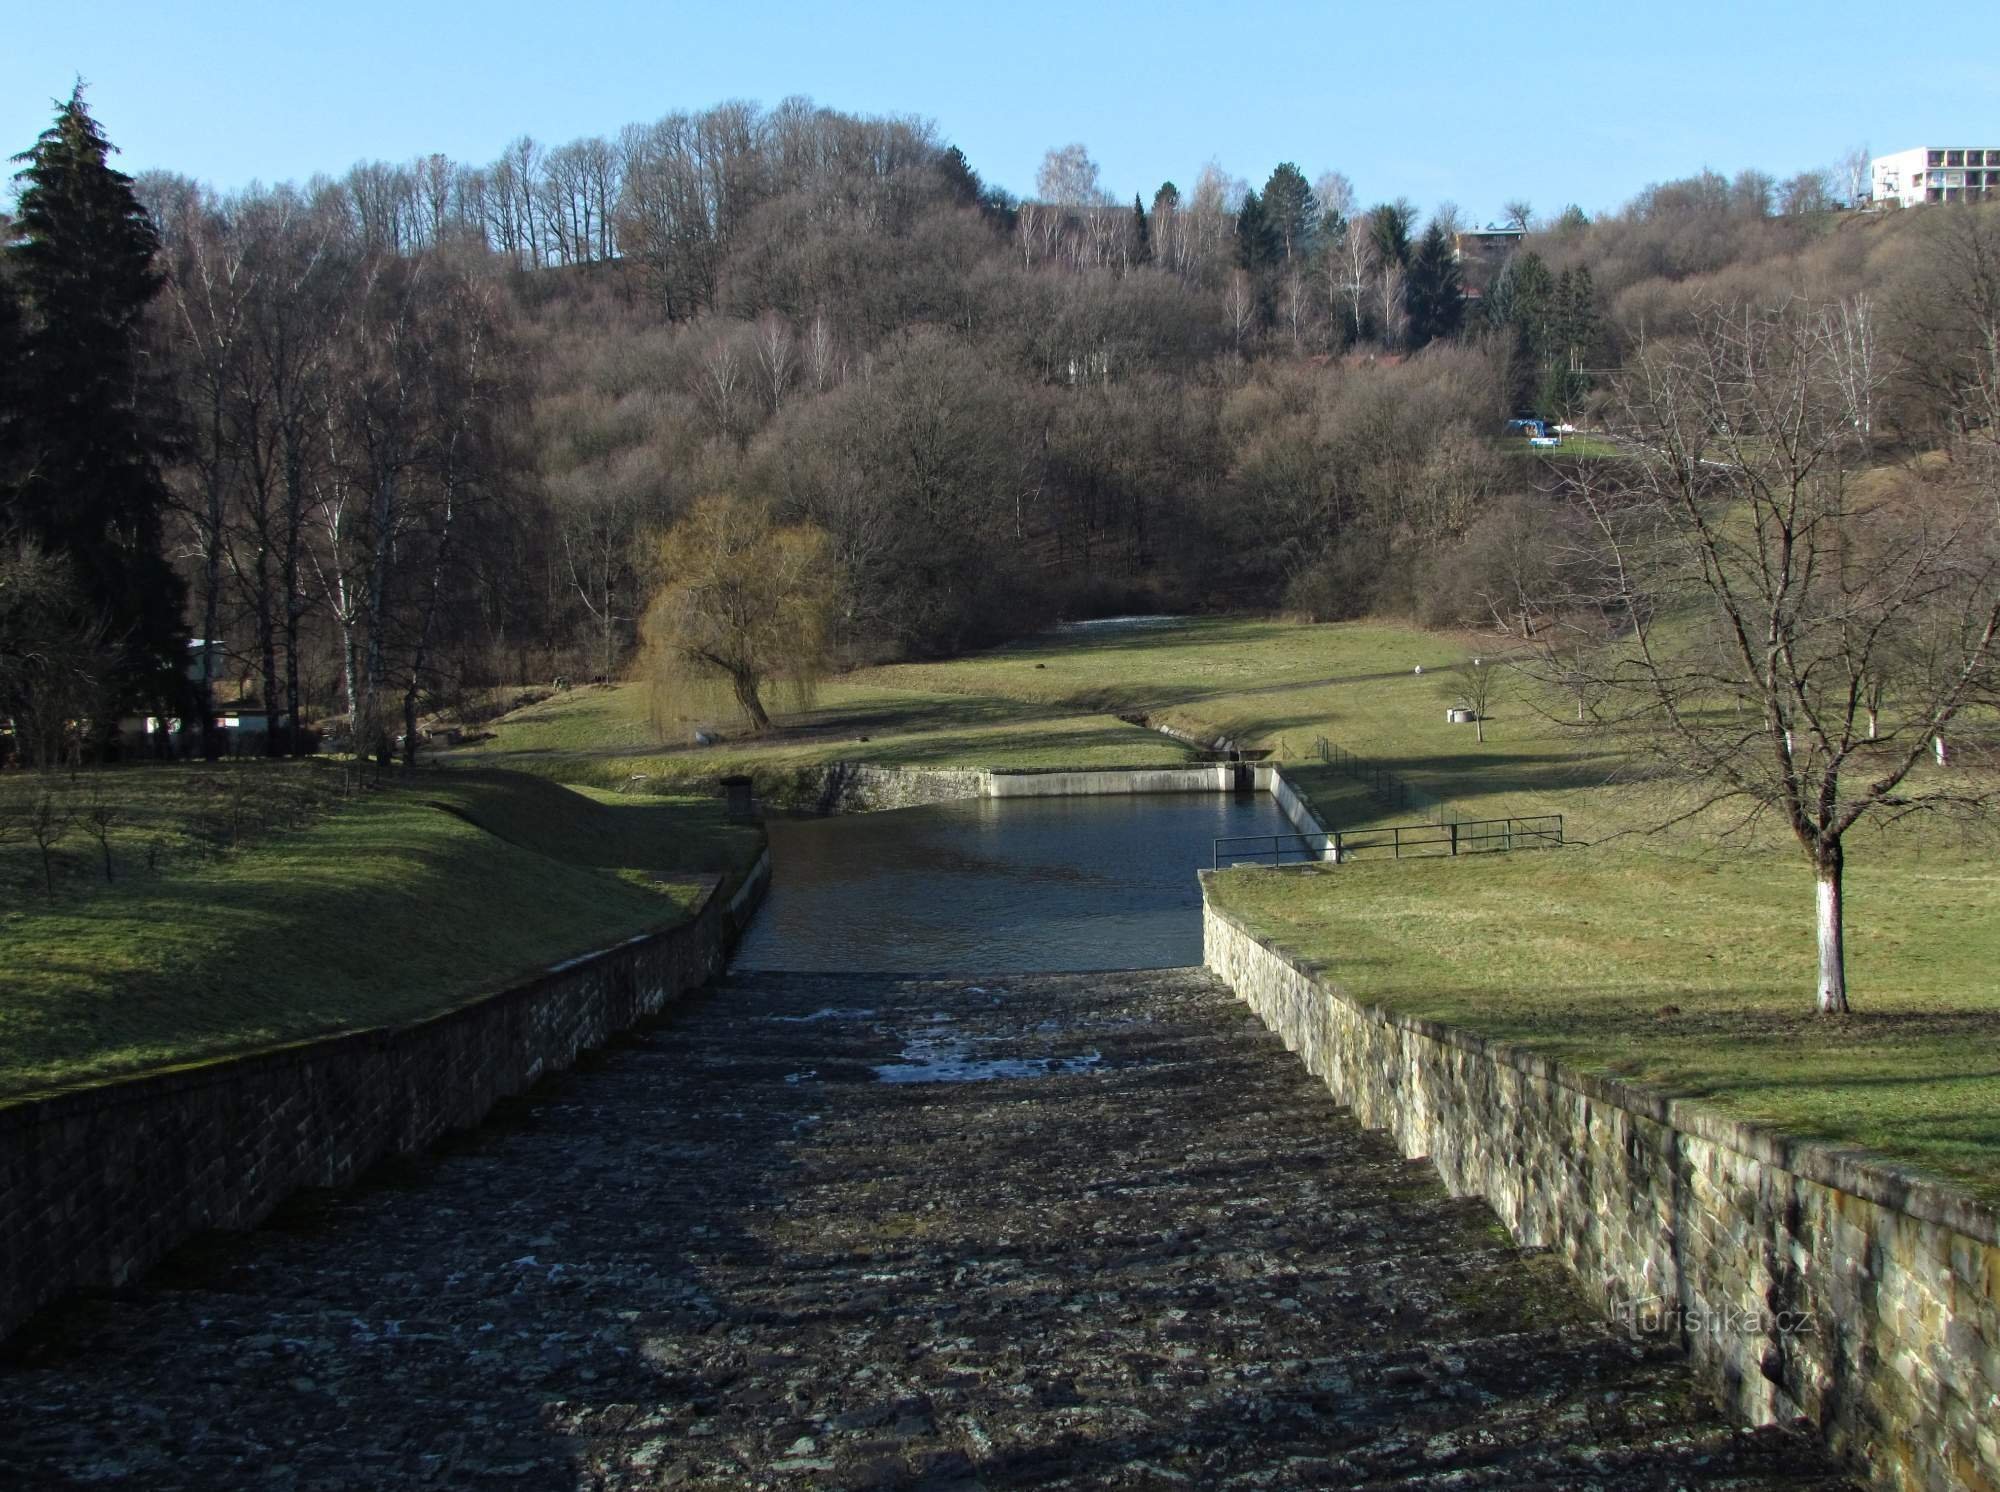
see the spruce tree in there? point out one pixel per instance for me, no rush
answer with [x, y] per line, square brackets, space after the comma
[960, 180]
[1435, 292]
[1389, 229]
[1293, 211]
[13, 431]
[83, 262]
[1142, 238]
[1256, 240]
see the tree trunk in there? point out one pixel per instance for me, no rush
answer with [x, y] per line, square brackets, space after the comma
[1832, 948]
[753, 707]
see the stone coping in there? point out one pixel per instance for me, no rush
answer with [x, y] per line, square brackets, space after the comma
[37, 1106]
[1858, 1172]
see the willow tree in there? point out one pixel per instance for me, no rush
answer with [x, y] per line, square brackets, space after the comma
[744, 605]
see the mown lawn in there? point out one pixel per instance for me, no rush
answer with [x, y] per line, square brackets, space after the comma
[602, 736]
[381, 907]
[1694, 973]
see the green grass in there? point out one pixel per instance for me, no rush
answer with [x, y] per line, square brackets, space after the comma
[397, 904]
[1692, 975]
[602, 736]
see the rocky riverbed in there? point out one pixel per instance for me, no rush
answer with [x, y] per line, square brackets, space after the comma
[869, 1231]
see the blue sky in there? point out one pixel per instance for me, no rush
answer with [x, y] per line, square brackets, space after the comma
[1476, 103]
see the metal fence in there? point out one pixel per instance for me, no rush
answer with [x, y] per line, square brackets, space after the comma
[1273, 849]
[1395, 841]
[1386, 786]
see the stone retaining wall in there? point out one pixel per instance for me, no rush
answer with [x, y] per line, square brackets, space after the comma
[1672, 1215]
[98, 1183]
[852, 787]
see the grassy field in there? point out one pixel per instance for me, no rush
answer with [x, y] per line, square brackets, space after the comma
[331, 912]
[601, 736]
[1692, 974]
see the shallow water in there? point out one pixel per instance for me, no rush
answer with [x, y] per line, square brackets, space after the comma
[997, 885]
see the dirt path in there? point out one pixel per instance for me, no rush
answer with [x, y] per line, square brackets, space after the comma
[1047, 1231]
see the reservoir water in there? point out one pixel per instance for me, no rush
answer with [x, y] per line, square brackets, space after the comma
[995, 886]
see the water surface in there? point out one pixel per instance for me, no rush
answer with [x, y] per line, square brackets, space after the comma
[997, 885]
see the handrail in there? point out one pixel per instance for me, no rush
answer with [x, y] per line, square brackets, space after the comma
[1542, 831]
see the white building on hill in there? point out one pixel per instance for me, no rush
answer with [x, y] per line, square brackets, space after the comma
[1937, 173]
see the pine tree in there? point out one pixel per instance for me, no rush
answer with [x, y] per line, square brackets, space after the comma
[1293, 211]
[960, 180]
[13, 432]
[1389, 230]
[83, 261]
[1256, 240]
[1435, 292]
[1522, 308]
[1142, 238]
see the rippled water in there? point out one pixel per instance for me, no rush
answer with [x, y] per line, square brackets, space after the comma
[997, 885]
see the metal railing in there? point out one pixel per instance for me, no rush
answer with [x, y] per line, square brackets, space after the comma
[1398, 841]
[1386, 786]
[1273, 849]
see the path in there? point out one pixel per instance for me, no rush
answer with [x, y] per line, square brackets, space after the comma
[737, 1250]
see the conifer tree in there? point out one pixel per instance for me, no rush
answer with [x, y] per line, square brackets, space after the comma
[1142, 238]
[1256, 240]
[1389, 231]
[1435, 292]
[1293, 211]
[92, 493]
[12, 428]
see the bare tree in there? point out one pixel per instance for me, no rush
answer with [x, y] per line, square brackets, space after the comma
[1764, 601]
[777, 357]
[1335, 194]
[819, 353]
[1068, 178]
[1472, 685]
[1517, 213]
[1854, 168]
[1239, 304]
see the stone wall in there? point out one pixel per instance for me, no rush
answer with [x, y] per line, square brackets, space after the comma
[98, 1183]
[1803, 1281]
[852, 787]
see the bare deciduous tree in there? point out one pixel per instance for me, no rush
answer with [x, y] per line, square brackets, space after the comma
[1472, 685]
[1764, 601]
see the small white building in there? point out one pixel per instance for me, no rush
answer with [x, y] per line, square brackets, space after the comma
[1937, 173]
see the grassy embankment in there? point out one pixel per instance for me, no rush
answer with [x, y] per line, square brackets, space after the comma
[256, 904]
[601, 736]
[1681, 959]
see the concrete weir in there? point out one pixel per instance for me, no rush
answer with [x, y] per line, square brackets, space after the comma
[852, 787]
[1071, 1231]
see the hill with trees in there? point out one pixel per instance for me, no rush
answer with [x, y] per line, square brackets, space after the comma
[420, 429]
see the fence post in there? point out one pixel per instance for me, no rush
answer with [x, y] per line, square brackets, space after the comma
[1336, 847]
[1397, 830]
[1454, 839]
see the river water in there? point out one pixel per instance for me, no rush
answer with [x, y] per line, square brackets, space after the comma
[997, 885]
